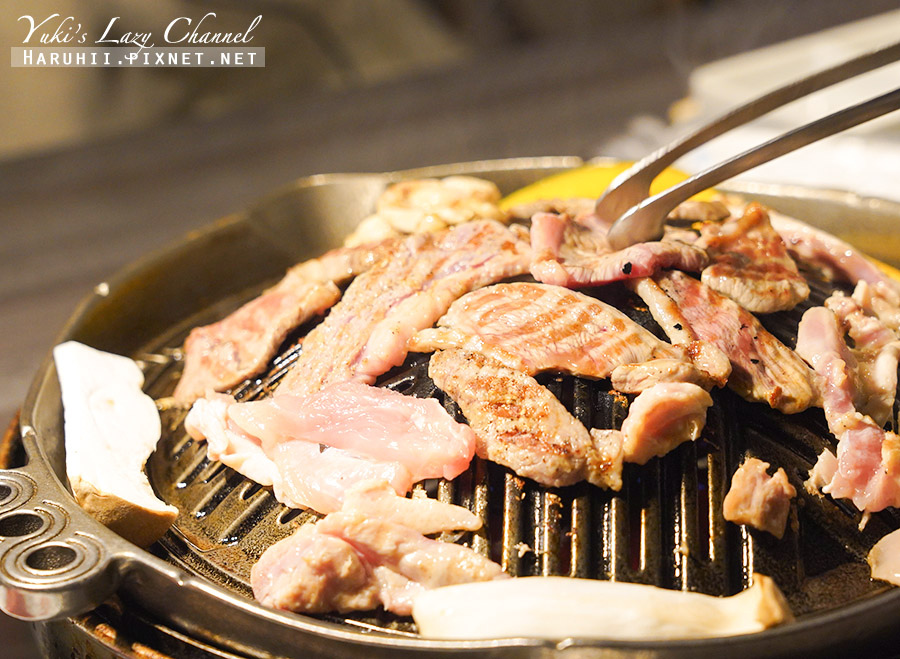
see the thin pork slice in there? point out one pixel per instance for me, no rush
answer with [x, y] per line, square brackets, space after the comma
[867, 469]
[569, 254]
[223, 354]
[366, 333]
[661, 418]
[520, 424]
[763, 368]
[376, 498]
[750, 263]
[369, 421]
[350, 561]
[538, 327]
[820, 249]
[759, 500]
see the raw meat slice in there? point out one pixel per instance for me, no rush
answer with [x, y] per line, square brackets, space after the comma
[369, 421]
[350, 561]
[378, 499]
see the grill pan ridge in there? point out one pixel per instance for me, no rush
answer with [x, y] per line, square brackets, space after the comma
[665, 527]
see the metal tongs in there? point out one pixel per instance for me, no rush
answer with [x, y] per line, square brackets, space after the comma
[639, 217]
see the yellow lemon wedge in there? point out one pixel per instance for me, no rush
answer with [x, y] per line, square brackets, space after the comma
[589, 181]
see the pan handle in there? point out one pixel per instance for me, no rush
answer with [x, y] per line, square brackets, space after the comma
[51, 564]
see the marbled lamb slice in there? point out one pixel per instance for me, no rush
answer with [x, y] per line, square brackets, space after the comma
[367, 331]
[706, 357]
[520, 424]
[763, 368]
[223, 354]
[661, 418]
[759, 500]
[867, 469]
[568, 254]
[350, 561]
[369, 421]
[750, 263]
[537, 327]
[877, 353]
[822, 250]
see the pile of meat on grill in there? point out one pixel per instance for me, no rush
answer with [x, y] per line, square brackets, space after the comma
[497, 298]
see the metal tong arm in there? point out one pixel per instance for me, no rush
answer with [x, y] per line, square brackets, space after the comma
[633, 185]
[647, 217]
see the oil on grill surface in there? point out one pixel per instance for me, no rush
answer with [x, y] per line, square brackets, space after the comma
[665, 527]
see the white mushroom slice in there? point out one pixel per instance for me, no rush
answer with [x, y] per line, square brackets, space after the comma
[111, 428]
[560, 607]
[884, 558]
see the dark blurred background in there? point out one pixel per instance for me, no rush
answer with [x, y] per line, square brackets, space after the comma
[99, 166]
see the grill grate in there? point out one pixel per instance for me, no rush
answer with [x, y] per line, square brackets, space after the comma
[665, 527]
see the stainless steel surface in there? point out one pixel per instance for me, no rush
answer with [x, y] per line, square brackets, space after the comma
[625, 194]
[199, 591]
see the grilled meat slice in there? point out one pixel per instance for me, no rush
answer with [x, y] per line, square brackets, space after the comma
[763, 368]
[867, 469]
[520, 424]
[427, 205]
[881, 300]
[370, 421]
[877, 354]
[750, 263]
[569, 254]
[706, 357]
[221, 355]
[537, 327]
[661, 418]
[819, 249]
[757, 499]
[349, 561]
[367, 331]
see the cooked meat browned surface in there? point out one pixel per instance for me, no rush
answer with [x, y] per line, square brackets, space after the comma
[750, 263]
[366, 332]
[520, 424]
[538, 327]
[763, 368]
